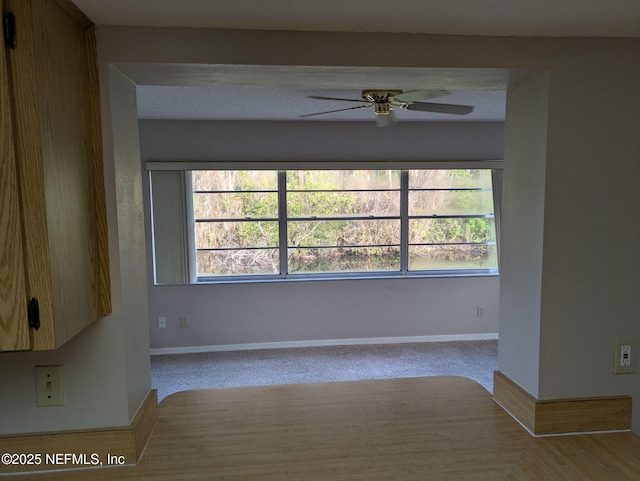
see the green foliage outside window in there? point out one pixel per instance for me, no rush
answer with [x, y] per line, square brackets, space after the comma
[244, 205]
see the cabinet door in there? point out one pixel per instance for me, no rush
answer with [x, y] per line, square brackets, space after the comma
[14, 333]
[59, 157]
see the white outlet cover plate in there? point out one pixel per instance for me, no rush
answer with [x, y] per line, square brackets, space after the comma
[618, 368]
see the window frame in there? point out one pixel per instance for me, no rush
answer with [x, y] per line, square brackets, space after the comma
[495, 166]
[338, 218]
[233, 220]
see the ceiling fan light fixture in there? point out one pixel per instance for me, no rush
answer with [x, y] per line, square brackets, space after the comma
[386, 119]
[381, 101]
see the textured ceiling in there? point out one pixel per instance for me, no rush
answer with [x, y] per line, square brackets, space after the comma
[243, 103]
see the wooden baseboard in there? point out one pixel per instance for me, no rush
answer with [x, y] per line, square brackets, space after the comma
[515, 400]
[84, 448]
[562, 416]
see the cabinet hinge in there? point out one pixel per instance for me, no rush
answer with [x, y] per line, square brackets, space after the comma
[33, 313]
[9, 29]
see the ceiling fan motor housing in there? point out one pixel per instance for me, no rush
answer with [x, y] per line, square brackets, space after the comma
[380, 99]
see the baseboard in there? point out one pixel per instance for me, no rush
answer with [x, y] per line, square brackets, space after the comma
[322, 343]
[562, 416]
[82, 449]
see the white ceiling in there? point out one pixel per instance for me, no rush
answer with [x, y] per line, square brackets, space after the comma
[600, 18]
[593, 18]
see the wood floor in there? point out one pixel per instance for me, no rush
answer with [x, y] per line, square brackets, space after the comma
[430, 428]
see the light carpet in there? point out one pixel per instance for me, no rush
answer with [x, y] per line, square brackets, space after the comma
[172, 373]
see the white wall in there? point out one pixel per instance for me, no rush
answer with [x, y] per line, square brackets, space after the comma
[124, 141]
[319, 310]
[589, 288]
[94, 397]
[591, 261]
[588, 283]
[522, 231]
[581, 262]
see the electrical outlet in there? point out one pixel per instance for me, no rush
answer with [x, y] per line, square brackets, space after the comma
[625, 352]
[162, 322]
[184, 322]
[49, 386]
[480, 311]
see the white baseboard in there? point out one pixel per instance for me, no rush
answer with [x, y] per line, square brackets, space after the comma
[324, 342]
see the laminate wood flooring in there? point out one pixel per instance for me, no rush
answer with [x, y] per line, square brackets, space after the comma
[428, 428]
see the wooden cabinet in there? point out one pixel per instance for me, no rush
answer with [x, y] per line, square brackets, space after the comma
[53, 232]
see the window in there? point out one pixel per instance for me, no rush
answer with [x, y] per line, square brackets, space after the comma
[343, 221]
[301, 223]
[451, 220]
[236, 222]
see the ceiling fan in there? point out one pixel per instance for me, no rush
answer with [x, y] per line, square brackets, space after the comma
[383, 102]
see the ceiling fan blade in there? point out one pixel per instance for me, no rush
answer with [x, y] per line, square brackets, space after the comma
[335, 98]
[386, 120]
[440, 108]
[418, 95]
[338, 110]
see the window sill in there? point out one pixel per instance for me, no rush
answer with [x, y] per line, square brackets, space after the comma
[343, 277]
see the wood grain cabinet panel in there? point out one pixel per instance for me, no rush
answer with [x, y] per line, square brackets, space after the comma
[13, 335]
[52, 83]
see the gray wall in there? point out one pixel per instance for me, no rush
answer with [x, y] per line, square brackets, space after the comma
[317, 141]
[319, 310]
[323, 310]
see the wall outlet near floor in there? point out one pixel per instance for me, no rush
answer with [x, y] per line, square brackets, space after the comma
[480, 311]
[162, 322]
[49, 386]
[625, 353]
[184, 322]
